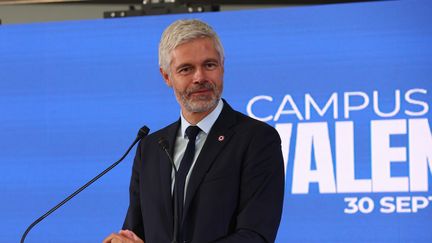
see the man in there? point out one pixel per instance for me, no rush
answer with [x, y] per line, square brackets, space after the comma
[230, 189]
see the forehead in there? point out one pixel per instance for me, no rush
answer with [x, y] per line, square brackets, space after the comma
[196, 50]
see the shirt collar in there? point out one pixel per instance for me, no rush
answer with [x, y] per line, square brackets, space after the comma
[205, 124]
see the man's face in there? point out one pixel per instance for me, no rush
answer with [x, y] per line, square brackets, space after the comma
[196, 75]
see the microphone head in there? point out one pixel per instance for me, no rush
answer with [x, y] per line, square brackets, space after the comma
[143, 132]
[163, 143]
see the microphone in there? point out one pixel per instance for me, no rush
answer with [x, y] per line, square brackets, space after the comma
[141, 134]
[163, 143]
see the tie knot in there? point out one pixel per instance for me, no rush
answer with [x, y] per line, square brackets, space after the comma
[192, 132]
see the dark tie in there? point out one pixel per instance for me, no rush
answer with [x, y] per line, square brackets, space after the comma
[186, 162]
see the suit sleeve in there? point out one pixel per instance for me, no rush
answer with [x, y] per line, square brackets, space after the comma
[133, 220]
[262, 189]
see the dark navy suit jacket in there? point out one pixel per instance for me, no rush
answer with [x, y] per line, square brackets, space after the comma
[235, 191]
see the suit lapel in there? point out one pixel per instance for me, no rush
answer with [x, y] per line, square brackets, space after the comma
[166, 170]
[218, 137]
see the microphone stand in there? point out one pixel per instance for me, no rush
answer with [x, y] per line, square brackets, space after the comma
[141, 134]
[163, 143]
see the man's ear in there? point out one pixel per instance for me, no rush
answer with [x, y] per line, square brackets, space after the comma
[166, 77]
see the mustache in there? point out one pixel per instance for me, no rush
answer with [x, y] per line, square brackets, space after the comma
[200, 86]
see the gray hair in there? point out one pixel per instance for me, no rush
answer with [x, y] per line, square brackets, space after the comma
[182, 31]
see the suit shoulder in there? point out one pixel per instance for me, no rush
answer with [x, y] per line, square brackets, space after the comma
[254, 126]
[161, 133]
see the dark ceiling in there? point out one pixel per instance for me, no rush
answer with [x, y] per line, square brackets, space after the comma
[215, 2]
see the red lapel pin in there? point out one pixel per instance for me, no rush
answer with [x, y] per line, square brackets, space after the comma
[221, 138]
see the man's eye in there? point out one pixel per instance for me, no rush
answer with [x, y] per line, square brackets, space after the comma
[184, 70]
[211, 65]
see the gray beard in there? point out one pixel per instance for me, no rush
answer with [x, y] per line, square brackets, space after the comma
[201, 103]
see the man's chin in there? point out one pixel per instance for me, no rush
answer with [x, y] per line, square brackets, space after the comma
[199, 106]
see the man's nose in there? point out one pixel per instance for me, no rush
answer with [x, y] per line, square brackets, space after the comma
[199, 75]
